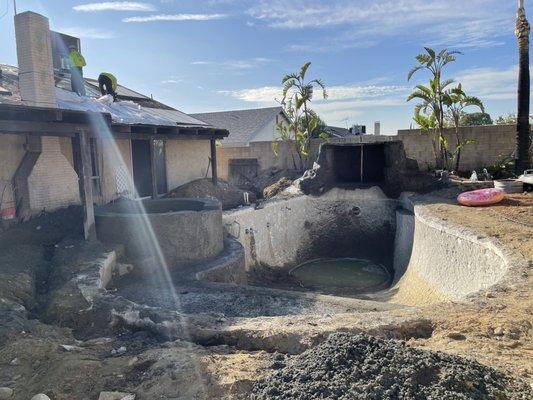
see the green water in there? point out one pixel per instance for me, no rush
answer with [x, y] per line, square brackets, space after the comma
[346, 276]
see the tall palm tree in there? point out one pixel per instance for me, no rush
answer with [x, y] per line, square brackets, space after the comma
[304, 94]
[435, 62]
[432, 97]
[456, 100]
[523, 139]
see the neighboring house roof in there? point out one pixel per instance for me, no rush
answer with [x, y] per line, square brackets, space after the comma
[336, 131]
[242, 125]
[132, 107]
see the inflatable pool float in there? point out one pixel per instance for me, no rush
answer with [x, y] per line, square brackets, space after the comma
[481, 197]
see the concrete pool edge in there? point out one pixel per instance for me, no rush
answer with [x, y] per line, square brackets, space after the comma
[483, 263]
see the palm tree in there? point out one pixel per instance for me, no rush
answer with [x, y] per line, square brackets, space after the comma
[523, 139]
[303, 95]
[432, 104]
[435, 62]
[456, 100]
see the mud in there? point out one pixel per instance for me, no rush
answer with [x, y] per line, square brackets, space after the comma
[363, 367]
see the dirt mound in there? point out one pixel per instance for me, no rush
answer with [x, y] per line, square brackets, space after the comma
[272, 176]
[362, 367]
[230, 196]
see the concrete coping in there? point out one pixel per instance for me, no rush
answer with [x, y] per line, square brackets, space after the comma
[158, 206]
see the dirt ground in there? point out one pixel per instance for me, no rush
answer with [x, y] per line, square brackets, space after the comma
[496, 331]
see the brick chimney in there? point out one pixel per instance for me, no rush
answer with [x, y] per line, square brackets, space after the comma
[34, 54]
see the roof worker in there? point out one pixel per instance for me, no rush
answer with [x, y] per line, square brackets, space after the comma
[77, 62]
[108, 84]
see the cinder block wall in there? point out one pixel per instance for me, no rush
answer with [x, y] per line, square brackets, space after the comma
[53, 183]
[286, 156]
[492, 143]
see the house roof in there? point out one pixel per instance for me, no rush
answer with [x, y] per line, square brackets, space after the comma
[134, 108]
[242, 125]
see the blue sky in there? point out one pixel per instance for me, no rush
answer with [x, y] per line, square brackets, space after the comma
[215, 55]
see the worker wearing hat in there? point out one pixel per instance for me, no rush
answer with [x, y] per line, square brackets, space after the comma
[108, 84]
[77, 62]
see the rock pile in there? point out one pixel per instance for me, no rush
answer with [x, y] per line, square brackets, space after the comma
[348, 366]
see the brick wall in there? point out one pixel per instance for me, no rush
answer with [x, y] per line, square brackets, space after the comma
[53, 183]
[492, 142]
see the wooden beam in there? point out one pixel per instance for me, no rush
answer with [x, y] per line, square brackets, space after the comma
[40, 128]
[81, 151]
[214, 176]
[153, 169]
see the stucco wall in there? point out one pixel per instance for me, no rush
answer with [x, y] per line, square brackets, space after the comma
[11, 153]
[436, 261]
[187, 160]
[284, 233]
[492, 142]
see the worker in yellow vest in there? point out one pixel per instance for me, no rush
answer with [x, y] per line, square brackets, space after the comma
[108, 84]
[77, 62]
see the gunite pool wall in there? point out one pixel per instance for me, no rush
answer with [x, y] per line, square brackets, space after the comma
[186, 230]
[356, 223]
[435, 260]
[431, 260]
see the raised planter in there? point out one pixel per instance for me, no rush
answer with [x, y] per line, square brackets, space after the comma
[173, 231]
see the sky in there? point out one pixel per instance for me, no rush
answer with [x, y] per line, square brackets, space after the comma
[213, 55]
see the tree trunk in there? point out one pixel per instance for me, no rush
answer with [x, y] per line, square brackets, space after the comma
[458, 155]
[523, 139]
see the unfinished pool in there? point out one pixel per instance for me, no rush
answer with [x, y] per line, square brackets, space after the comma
[181, 231]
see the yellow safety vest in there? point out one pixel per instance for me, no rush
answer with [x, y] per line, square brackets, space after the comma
[77, 59]
[113, 79]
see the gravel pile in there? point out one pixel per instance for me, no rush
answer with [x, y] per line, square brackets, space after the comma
[348, 366]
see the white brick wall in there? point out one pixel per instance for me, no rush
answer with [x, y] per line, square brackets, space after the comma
[53, 183]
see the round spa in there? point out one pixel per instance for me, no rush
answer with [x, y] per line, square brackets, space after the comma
[182, 231]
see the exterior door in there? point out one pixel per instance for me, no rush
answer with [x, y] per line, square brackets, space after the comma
[142, 167]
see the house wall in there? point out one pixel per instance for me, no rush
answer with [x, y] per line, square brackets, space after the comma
[11, 153]
[268, 132]
[492, 142]
[187, 160]
[53, 183]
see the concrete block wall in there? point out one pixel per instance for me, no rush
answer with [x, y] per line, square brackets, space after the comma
[53, 183]
[492, 143]
[286, 157]
[34, 54]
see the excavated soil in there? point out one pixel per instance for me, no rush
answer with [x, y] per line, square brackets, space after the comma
[362, 367]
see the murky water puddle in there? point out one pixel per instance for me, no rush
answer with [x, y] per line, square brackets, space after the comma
[342, 276]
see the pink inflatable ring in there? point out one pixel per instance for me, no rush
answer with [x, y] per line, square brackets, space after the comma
[481, 197]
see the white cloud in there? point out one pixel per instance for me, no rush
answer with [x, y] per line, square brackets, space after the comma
[490, 83]
[268, 94]
[176, 17]
[88, 33]
[235, 64]
[362, 23]
[115, 6]
[171, 81]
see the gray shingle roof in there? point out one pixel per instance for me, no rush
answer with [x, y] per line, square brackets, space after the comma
[241, 124]
[336, 131]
